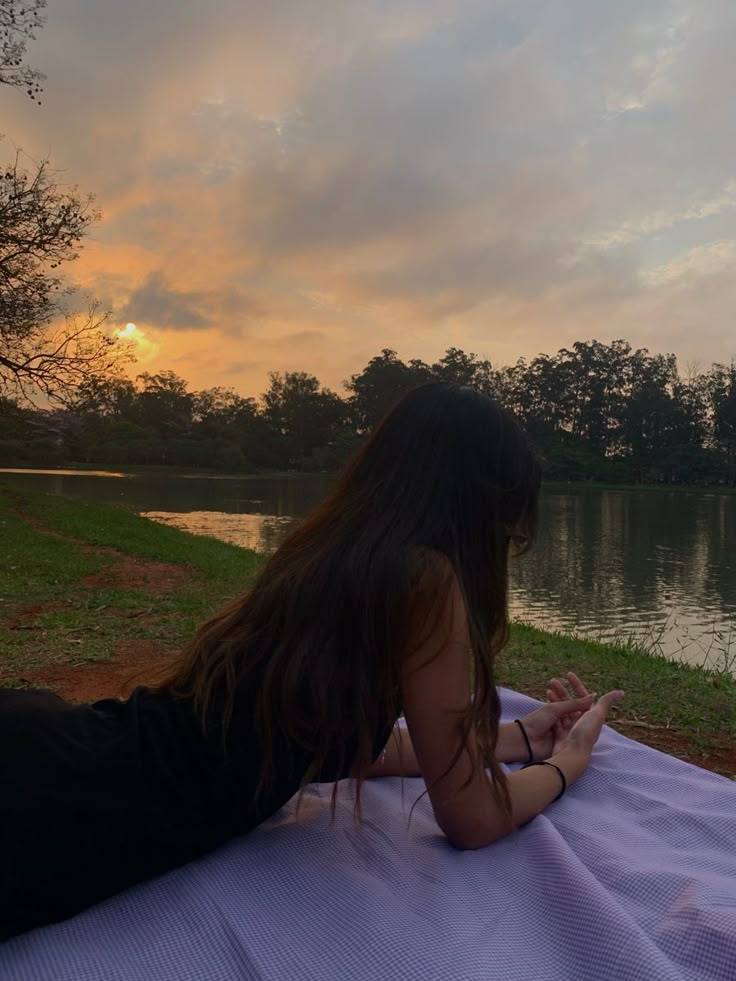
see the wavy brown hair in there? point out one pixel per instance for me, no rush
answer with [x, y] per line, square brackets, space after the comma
[320, 636]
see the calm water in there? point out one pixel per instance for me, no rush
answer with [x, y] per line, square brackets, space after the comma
[654, 566]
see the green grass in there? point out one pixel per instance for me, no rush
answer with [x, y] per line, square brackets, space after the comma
[51, 614]
[658, 690]
[105, 525]
[35, 566]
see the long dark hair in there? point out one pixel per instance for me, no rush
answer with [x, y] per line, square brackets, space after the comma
[325, 626]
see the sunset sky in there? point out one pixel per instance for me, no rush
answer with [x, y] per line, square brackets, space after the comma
[296, 185]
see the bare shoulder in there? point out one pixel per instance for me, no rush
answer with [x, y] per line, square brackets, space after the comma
[437, 607]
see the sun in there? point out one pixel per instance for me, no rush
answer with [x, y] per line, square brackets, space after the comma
[137, 341]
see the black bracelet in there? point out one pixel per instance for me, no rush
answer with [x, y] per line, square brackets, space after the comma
[549, 763]
[520, 724]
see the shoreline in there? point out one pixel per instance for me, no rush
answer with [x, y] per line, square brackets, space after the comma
[142, 470]
[98, 598]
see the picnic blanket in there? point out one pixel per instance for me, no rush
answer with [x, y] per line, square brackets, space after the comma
[629, 877]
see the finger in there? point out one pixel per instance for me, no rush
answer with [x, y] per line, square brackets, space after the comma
[561, 693]
[607, 701]
[577, 686]
[552, 695]
[572, 706]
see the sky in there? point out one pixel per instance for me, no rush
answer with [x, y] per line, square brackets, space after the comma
[297, 185]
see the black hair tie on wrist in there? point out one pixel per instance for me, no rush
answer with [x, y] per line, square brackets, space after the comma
[549, 763]
[520, 724]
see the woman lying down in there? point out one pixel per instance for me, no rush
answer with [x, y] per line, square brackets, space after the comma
[390, 597]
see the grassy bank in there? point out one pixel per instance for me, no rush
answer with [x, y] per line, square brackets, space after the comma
[90, 583]
[91, 596]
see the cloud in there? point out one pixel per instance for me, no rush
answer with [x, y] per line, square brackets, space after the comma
[300, 185]
[649, 224]
[154, 302]
[702, 260]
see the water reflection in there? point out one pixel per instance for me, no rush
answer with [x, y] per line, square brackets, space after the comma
[63, 473]
[654, 567]
[260, 532]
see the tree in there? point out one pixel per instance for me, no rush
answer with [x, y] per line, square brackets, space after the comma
[303, 415]
[380, 385]
[722, 392]
[164, 403]
[648, 413]
[465, 369]
[591, 378]
[233, 429]
[105, 397]
[19, 20]
[45, 349]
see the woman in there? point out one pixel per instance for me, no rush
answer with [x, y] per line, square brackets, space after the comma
[392, 595]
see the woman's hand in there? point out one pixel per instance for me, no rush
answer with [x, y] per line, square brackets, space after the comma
[584, 733]
[558, 693]
[549, 726]
[546, 726]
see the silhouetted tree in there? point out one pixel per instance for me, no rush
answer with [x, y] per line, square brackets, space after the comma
[465, 369]
[43, 347]
[722, 392]
[46, 350]
[595, 411]
[303, 415]
[381, 384]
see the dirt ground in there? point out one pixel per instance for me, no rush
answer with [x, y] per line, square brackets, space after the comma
[136, 662]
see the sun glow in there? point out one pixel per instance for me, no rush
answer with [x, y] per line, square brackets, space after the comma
[138, 342]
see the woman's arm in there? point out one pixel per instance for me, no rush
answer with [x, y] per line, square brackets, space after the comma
[400, 760]
[510, 746]
[435, 697]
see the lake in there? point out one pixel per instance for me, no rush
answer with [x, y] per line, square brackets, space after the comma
[658, 567]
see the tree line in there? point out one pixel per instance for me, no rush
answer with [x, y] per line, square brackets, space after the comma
[595, 412]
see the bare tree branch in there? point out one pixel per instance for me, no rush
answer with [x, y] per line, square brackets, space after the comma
[53, 367]
[46, 351]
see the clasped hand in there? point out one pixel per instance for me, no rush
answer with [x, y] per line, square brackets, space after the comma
[565, 722]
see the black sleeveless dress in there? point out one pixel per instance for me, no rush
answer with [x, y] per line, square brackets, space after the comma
[95, 798]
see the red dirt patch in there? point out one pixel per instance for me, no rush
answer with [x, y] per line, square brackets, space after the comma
[132, 573]
[125, 571]
[136, 662]
[720, 757]
[24, 618]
